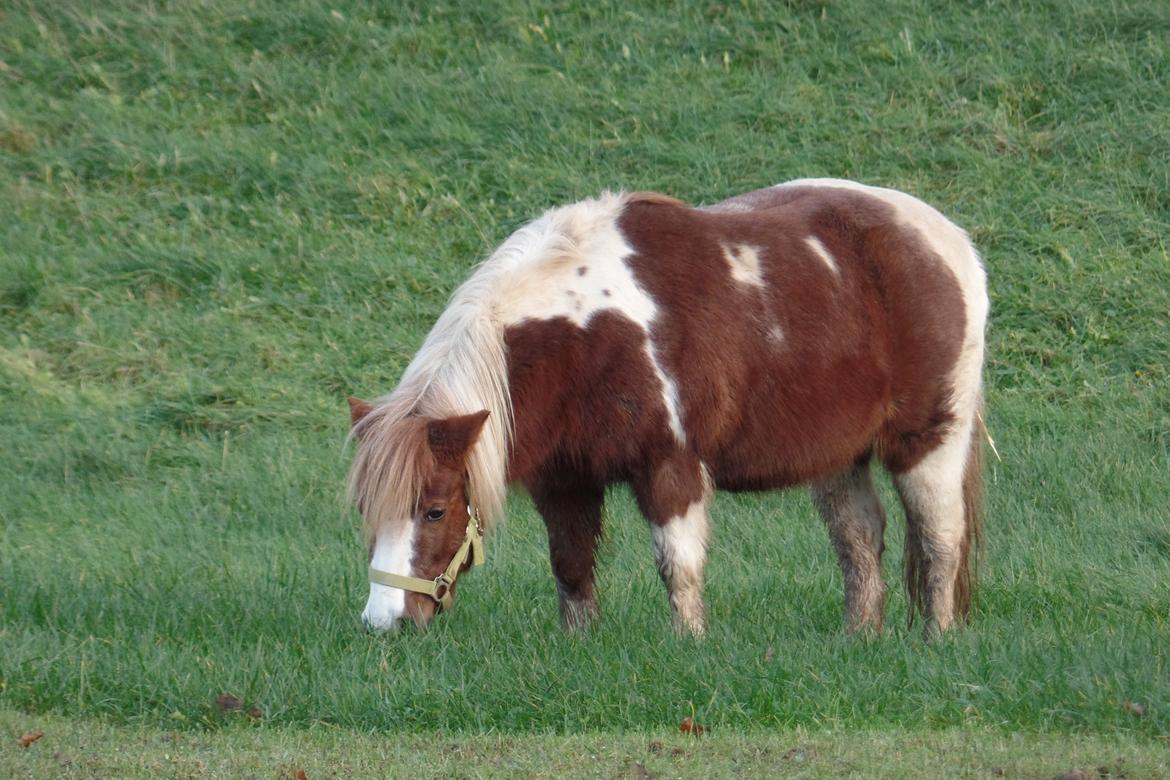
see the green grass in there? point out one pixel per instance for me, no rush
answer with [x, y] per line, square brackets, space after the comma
[86, 748]
[217, 219]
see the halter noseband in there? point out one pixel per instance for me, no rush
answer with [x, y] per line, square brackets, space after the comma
[440, 587]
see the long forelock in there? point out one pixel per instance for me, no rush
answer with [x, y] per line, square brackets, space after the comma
[390, 467]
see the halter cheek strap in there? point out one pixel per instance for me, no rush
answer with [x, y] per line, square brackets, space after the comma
[439, 588]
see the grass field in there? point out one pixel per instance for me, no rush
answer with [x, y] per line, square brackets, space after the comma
[84, 749]
[219, 218]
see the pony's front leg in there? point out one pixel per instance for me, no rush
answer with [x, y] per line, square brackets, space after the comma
[674, 498]
[572, 514]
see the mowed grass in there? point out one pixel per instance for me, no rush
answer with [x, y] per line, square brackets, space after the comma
[72, 748]
[218, 219]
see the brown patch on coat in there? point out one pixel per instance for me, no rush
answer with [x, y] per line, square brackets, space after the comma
[587, 397]
[570, 505]
[866, 356]
[588, 402]
[668, 484]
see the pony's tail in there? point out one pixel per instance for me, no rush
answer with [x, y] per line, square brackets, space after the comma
[973, 506]
[969, 549]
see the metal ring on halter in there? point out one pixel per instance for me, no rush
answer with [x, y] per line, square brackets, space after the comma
[442, 585]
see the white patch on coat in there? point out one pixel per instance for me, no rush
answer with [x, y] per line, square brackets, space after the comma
[744, 262]
[934, 487]
[776, 335]
[932, 492]
[572, 264]
[821, 251]
[681, 544]
[680, 550]
[393, 551]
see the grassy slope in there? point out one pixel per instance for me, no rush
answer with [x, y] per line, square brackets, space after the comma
[217, 219]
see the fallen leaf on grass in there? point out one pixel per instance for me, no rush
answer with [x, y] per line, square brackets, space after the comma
[30, 738]
[300, 775]
[688, 726]
[225, 702]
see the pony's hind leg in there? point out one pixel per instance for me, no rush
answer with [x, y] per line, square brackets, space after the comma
[572, 514]
[941, 497]
[674, 497]
[850, 508]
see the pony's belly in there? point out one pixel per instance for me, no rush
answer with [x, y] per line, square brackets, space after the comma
[787, 450]
[737, 482]
[776, 473]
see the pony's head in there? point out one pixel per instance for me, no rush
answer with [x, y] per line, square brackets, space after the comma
[410, 483]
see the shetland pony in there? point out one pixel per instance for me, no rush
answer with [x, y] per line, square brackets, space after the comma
[789, 335]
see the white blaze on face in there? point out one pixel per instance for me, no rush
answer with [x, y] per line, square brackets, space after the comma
[393, 551]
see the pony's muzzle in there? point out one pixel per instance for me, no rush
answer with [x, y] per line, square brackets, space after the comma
[379, 626]
[421, 610]
[418, 614]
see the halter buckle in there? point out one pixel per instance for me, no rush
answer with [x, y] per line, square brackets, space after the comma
[443, 584]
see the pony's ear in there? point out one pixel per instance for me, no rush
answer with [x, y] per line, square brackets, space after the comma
[451, 438]
[357, 410]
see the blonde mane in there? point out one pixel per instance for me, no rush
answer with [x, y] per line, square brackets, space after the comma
[461, 368]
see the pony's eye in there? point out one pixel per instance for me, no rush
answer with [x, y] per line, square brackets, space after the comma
[435, 514]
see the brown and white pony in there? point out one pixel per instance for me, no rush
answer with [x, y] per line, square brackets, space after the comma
[788, 335]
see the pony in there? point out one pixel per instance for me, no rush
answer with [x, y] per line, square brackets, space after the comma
[789, 335]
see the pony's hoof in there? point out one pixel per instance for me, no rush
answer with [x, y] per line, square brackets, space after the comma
[578, 616]
[696, 628]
